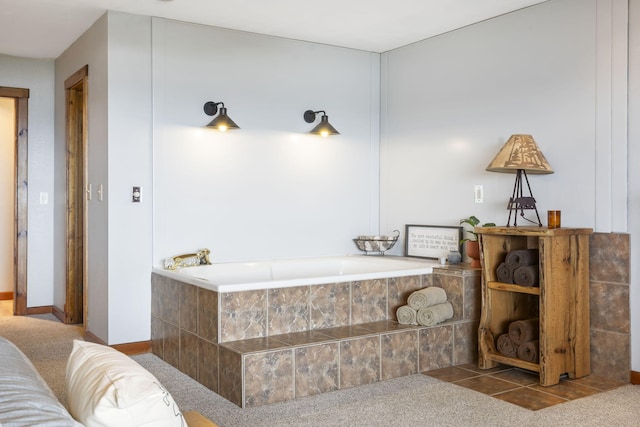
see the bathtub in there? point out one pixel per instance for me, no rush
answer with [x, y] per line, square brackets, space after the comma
[247, 276]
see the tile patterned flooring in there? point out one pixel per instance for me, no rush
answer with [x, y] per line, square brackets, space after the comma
[521, 387]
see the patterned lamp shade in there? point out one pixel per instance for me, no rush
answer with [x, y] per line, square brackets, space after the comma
[520, 152]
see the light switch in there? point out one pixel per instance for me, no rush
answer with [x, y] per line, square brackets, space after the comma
[478, 192]
[136, 195]
[44, 198]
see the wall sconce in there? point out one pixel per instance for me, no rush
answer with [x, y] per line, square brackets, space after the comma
[222, 122]
[323, 128]
[519, 155]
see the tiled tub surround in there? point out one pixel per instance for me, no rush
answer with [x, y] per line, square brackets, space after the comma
[264, 346]
[609, 277]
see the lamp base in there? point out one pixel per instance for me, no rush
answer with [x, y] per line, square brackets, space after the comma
[519, 202]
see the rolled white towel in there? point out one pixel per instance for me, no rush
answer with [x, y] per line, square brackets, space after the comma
[407, 315]
[425, 297]
[432, 315]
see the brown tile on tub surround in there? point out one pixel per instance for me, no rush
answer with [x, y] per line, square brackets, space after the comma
[268, 378]
[399, 290]
[359, 361]
[472, 304]
[208, 364]
[453, 286]
[368, 301]
[230, 375]
[609, 257]
[316, 369]
[157, 337]
[171, 344]
[243, 315]
[189, 307]
[465, 342]
[436, 347]
[164, 295]
[398, 354]
[611, 355]
[288, 310]
[157, 289]
[609, 307]
[208, 314]
[329, 305]
[189, 354]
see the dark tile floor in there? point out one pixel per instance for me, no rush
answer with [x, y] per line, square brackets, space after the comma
[522, 387]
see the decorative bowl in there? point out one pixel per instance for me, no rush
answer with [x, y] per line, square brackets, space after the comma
[379, 244]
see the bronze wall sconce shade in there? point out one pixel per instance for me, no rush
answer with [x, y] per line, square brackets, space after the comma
[324, 128]
[520, 155]
[223, 122]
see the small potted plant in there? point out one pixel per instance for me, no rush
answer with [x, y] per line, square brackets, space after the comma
[472, 248]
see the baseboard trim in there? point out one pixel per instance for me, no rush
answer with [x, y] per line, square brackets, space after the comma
[88, 336]
[635, 377]
[58, 313]
[45, 309]
[6, 295]
[129, 349]
[134, 347]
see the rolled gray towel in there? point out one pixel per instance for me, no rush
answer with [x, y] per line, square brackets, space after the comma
[520, 257]
[504, 273]
[506, 346]
[529, 351]
[434, 314]
[407, 315]
[527, 275]
[426, 297]
[521, 331]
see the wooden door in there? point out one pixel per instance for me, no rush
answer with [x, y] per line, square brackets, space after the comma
[76, 142]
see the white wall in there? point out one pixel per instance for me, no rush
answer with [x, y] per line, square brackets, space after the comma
[117, 49]
[557, 70]
[37, 76]
[268, 190]
[130, 164]
[90, 49]
[258, 193]
[634, 176]
[453, 100]
[7, 193]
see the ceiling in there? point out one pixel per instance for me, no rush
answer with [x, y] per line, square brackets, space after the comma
[45, 28]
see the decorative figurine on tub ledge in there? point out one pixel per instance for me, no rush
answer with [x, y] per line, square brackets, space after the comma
[187, 260]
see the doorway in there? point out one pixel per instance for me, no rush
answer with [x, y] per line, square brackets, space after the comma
[16, 102]
[76, 87]
[7, 202]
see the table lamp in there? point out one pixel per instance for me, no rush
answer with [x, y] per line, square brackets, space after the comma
[520, 155]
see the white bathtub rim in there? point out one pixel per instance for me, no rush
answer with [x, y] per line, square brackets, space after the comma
[418, 267]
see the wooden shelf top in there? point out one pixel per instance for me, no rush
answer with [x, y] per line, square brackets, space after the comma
[532, 231]
[509, 287]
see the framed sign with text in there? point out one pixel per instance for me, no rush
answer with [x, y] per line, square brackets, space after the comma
[431, 241]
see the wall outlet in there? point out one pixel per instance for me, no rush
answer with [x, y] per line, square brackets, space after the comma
[478, 191]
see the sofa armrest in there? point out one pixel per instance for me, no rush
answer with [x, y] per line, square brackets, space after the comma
[25, 398]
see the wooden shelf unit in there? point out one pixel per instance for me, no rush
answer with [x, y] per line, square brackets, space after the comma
[561, 301]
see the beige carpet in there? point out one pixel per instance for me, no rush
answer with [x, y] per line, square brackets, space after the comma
[416, 400]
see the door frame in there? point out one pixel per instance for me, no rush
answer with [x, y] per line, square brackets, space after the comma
[21, 97]
[76, 137]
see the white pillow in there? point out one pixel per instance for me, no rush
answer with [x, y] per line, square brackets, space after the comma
[108, 388]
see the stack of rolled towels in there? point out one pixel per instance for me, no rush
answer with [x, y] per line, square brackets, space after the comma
[519, 267]
[426, 307]
[521, 340]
